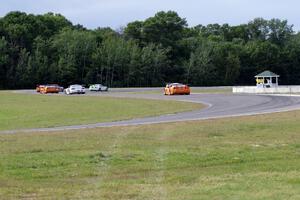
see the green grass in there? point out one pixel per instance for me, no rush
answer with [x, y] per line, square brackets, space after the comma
[27, 111]
[254, 157]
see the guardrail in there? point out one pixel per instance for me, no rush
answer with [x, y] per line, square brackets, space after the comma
[272, 90]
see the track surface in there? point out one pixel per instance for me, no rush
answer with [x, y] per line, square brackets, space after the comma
[218, 106]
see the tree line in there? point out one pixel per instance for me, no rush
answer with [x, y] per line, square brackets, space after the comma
[38, 49]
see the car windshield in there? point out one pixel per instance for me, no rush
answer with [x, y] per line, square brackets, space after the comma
[76, 86]
[177, 85]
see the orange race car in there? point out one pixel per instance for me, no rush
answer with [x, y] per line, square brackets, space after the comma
[45, 89]
[177, 88]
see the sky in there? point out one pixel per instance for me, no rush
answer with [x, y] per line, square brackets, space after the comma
[117, 13]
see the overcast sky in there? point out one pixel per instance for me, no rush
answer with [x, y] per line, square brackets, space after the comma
[117, 13]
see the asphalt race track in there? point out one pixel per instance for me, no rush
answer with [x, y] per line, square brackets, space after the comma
[218, 106]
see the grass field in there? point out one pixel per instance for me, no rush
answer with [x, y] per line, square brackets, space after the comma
[254, 157]
[27, 111]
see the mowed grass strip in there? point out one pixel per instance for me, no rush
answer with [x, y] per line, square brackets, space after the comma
[18, 111]
[254, 157]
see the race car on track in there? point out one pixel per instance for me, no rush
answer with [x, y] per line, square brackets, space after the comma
[98, 87]
[177, 88]
[53, 88]
[49, 88]
[75, 89]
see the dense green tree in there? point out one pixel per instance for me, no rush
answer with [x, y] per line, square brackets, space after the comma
[74, 49]
[200, 69]
[3, 62]
[280, 31]
[258, 29]
[232, 66]
[21, 75]
[134, 31]
[110, 61]
[257, 56]
[21, 29]
[226, 60]
[104, 33]
[164, 28]
[290, 61]
[39, 64]
[50, 24]
[38, 49]
[153, 60]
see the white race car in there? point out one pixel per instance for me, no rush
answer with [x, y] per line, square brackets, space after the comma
[75, 89]
[98, 87]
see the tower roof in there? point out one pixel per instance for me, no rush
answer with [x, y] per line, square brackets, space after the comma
[266, 74]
